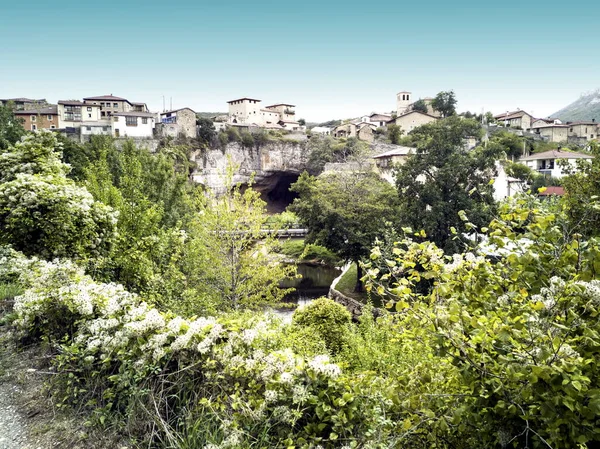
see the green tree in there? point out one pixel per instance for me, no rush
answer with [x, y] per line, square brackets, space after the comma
[345, 212]
[443, 178]
[232, 254]
[44, 213]
[11, 128]
[445, 103]
[206, 131]
[420, 106]
[302, 122]
[394, 133]
[324, 149]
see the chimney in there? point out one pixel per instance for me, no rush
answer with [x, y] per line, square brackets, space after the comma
[593, 120]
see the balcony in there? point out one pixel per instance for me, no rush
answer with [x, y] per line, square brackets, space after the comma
[289, 112]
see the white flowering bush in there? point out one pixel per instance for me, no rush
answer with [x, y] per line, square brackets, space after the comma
[116, 350]
[44, 213]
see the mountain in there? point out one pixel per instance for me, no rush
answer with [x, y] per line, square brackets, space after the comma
[587, 107]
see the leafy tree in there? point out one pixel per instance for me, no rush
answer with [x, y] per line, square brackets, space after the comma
[420, 106]
[443, 178]
[394, 133]
[445, 103]
[231, 251]
[512, 145]
[345, 212]
[44, 213]
[11, 128]
[302, 122]
[324, 149]
[206, 131]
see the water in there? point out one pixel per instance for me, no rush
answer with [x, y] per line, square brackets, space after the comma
[314, 284]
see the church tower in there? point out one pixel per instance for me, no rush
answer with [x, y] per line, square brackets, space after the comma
[403, 100]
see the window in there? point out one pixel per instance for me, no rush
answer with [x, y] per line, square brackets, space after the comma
[131, 121]
[49, 117]
[103, 114]
[115, 105]
[33, 127]
[33, 118]
[116, 119]
[52, 127]
[144, 120]
[88, 128]
[105, 128]
[89, 109]
[89, 115]
[101, 104]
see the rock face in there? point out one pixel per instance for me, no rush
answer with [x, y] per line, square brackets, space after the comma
[269, 163]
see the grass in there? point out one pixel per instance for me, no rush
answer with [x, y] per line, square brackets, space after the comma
[302, 252]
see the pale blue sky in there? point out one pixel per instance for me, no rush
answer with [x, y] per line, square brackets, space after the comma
[333, 59]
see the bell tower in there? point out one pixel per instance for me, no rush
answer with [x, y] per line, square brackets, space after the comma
[403, 100]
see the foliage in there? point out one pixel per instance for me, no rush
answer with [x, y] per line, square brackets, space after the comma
[302, 122]
[327, 319]
[394, 132]
[582, 186]
[512, 145]
[44, 213]
[443, 178]
[247, 139]
[231, 250]
[420, 106]
[345, 212]
[206, 130]
[310, 252]
[445, 103]
[11, 128]
[521, 328]
[324, 149]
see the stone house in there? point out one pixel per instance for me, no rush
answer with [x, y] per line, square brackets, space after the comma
[552, 132]
[249, 111]
[344, 130]
[110, 104]
[364, 131]
[133, 124]
[41, 118]
[545, 121]
[178, 122]
[412, 119]
[546, 163]
[375, 119]
[405, 104]
[385, 162]
[582, 132]
[516, 119]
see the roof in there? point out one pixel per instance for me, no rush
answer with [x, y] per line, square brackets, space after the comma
[282, 104]
[241, 99]
[400, 151]
[385, 116]
[553, 190]
[77, 103]
[557, 154]
[551, 125]
[96, 124]
[177, 110]
[582, 123]
[135, 103]
[511, 115]
[414, 112]
[135, 114]
[107, 97]
[52, 110]
[289, 121]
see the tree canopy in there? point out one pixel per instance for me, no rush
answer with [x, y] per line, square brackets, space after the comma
[444, 178]
[445, 103]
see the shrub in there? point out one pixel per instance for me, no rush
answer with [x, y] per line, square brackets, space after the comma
[328, 319]
[247, 139]
[232, 134]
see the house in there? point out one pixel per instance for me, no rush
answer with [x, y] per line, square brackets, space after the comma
[178, 122]
[41, 118]
[552, 191]
[412, 119]
[133, 124]
[95, 128]
[545, 121]
[375, 119]
[71, 113]
[321, 130]
[249, 111]
[516, 119]
[344, 130]
[24, 104]
[546, 163]
[385, 162]
[552, 132]
[110, 104]
[364, 131]
[582, 132]
[506, 186]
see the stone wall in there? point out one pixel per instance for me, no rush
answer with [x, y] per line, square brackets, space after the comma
[354, 307]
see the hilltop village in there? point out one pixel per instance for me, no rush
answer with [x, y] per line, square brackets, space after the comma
[545, 141]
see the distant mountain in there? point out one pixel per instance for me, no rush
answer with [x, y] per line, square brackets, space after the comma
[209, 114]
[587, 107]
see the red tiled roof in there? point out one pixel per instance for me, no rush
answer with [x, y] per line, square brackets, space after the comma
[553, 190]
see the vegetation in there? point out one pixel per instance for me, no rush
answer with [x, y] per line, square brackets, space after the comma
[345, 212]
[328, 149]
[420, 106]
[303, 252]
[445, 103]
[11, 128]
[443, 178]
[394, 132]
[206, 131]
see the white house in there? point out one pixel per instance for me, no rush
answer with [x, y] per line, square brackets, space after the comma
[96, 128]
[133, 124]
[547, 162]
[386, 162]
[506, 186]
[249, 111]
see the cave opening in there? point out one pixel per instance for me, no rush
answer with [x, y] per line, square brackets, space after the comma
[278, 196]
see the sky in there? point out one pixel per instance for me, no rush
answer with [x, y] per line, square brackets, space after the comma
[332, 59]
